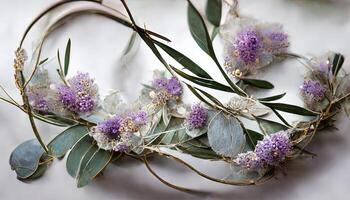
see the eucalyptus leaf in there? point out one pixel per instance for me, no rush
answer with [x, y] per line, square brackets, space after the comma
[213, 11]
[95, 164]
[290, 108]
[61, 144]
[270, 127]
[77, 154]
[24, 160]
[225, 135]
[39, 172]
[183, 60]
[258, 83]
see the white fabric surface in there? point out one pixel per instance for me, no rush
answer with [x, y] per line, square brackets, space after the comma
[314, 28]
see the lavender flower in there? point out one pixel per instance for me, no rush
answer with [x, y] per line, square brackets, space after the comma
[111, 127]
[252, 45]
[313, 89]
[118, 133]
[197, 117]
[249, 161]
[248, 45]
[165, 89]
[274, 148]
[81, 95]
[174, 87]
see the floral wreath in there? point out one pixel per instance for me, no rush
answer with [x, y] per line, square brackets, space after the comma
[102, 130]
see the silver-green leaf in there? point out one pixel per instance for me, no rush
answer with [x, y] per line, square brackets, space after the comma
[226, 136]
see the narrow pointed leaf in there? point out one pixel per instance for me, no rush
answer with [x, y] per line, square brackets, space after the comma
[61, 144]
[198, 30]
[290, 109]
[67, 57]
[338, 62]
[183, 60]
[270, 127]
[203, 82]
[258, 83]
[272, 98]
[213, 11]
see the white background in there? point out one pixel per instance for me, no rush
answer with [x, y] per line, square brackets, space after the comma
[314, 28]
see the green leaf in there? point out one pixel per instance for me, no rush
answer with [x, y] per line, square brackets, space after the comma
[39, 172]
[225, 135]
[258, 83]
[198, 30]
[77, 154]
[253, 137]
[209, 96]
[61, 144]
[199, 96]
[67, 58]
[24, 160]
[94, 165]
[272, 98]
[290, 109]
[177, 133]
[203, 82]
[338, 62]
[183, 60]
[215, 32]
[213, 11]
[43, 61]
[270, 127]
[203, 153]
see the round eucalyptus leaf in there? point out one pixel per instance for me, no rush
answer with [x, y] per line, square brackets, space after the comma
[225, 135]
[61, 144]
[25, 158]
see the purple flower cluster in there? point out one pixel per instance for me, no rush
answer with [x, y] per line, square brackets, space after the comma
[197, 117]
[116, 133]
[166, 89]
[248, 45]
[270, 151]
[81, 95]
[111, 127]
[273, 149]
[249, 160]
[253, 47]
[313, 89]
[37, 101]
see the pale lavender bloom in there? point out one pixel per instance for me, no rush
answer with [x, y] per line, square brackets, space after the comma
[253, 45]
[37, 101]
[274, 148]
[165, 89]
[249, 161]
[248, 44]
[160, 83]
[313, 89]
[174, 87]
[81, 95]
[197, 117]
[140, 118]
[111, 127]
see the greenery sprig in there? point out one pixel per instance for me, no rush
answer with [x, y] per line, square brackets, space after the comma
[101, 131]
